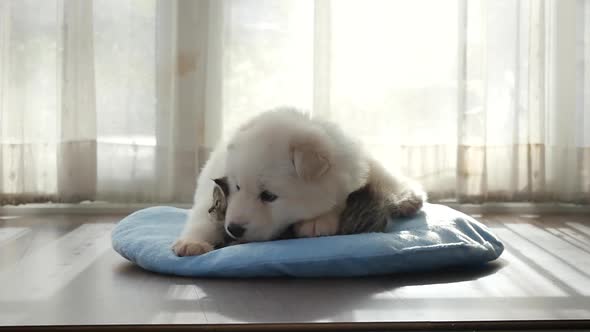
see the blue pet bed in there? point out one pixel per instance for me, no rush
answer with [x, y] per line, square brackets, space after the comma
[436, 237]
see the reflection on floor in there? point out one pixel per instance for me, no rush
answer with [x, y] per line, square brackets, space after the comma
[62, 270]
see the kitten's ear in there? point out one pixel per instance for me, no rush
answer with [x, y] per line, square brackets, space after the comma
[223, 185]
[309, 157]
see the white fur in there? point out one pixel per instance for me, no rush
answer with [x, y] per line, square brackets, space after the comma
[311, 165]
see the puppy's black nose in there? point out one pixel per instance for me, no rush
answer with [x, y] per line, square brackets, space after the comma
[236, 230]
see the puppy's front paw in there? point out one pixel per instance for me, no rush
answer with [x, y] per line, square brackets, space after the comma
[409, 203]
[304, 228]
[186, 247]
[323, 226]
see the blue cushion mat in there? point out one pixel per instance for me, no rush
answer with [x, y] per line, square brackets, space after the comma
[436, 237]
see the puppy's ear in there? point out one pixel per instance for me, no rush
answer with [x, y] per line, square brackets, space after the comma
[310, 159]
[223, 185]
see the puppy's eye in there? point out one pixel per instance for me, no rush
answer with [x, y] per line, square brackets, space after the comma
[267, 196]
[237, 187]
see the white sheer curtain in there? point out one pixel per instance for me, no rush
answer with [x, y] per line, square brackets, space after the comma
[122, 100]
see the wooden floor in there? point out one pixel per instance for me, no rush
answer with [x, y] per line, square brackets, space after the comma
[61, 270]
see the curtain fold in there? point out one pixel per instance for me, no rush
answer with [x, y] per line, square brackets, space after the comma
[121, 101]
[75, 80]
[29, 95]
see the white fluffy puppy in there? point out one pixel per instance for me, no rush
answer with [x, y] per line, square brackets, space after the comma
[284, 168]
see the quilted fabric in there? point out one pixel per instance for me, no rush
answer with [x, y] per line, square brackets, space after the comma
[436, 237]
